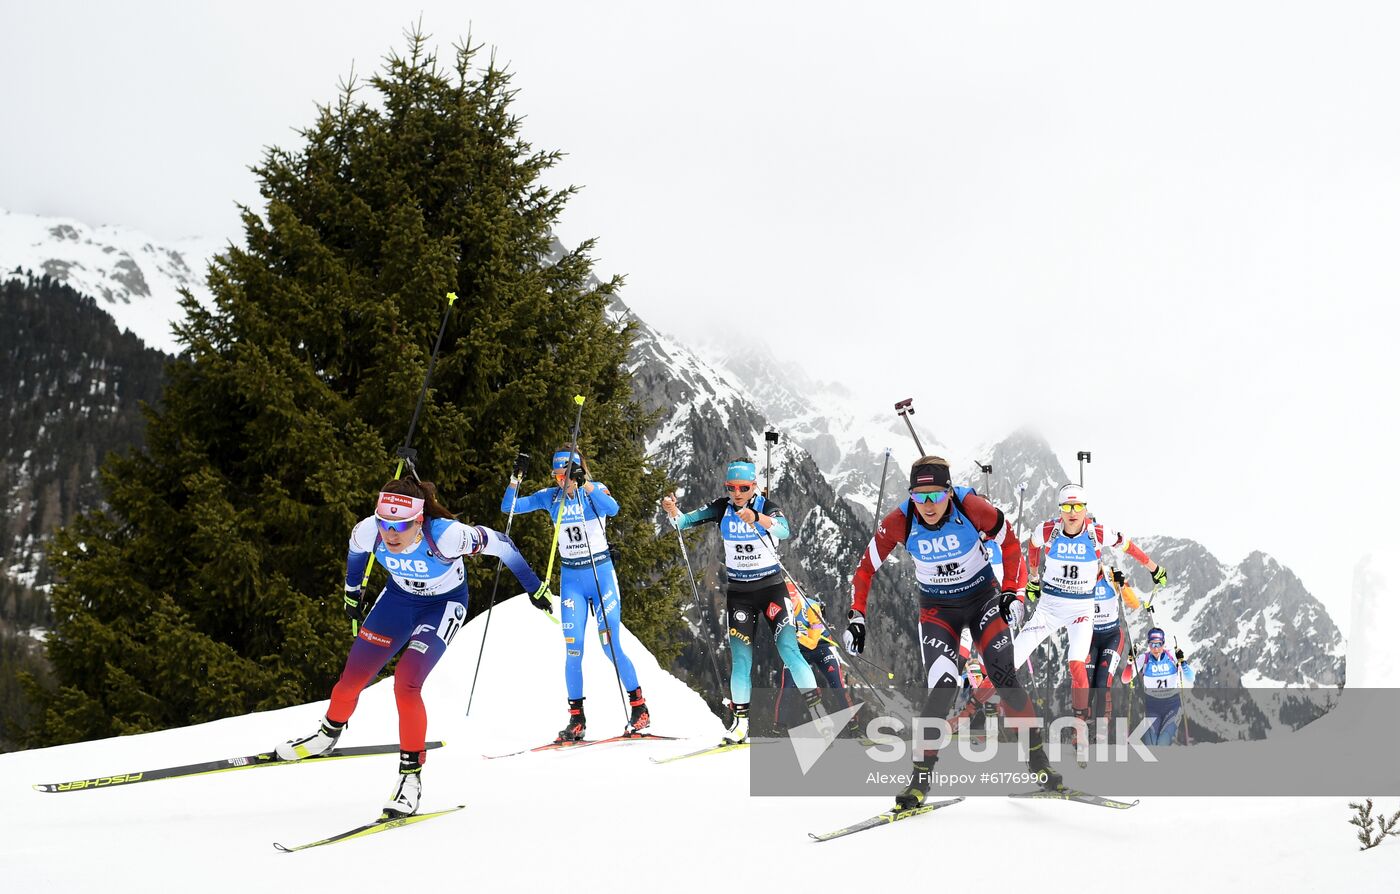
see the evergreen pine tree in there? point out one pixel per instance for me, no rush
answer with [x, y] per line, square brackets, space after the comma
[210, 585]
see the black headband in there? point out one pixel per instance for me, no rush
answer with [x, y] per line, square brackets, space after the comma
[929, 474]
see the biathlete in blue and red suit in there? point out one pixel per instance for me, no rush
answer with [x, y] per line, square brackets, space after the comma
[942, 528]
[581, 508]
[418, 612]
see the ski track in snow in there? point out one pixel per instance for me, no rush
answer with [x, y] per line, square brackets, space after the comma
[605, 817]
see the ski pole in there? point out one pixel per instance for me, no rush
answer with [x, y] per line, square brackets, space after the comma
[986, 479]
[889, 674]
[1181, 690]
[905, 409]
[593, 564]
[862, 677]
[880, 496]
[522, 465]
[695, 591]
[769, 438]
[406, 453]
[559, 515]
[1083, 458]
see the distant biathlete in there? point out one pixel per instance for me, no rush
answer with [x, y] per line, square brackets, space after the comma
[1106, 649]
[418, 612]
[816, 646]
[1163, 674]
[581, 508]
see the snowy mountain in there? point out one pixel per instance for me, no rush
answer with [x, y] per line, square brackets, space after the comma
[844, 437]
[136, 278]
[676, 826]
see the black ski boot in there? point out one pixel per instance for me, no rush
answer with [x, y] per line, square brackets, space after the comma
[918, 789]
[1039, 764]
[641, 717]
[573, 731]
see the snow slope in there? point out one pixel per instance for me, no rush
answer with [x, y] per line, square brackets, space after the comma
[603, 818]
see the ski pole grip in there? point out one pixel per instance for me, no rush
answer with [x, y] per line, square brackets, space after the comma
[522, 465]
[578, 399]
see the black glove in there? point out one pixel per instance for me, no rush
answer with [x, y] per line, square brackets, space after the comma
[1032, 591]
[522, 463]
[1159, 577]
[1180, 656]
[578, 473]
[1118, 577]
[1132, 654]
[1012, 611]
[855, 632]
[357, 605]
[541, 599]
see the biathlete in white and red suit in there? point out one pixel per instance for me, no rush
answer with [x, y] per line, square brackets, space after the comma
[1071, 549]
[942, 528]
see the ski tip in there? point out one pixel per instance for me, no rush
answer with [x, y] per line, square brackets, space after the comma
[283, 848]
[41, 787]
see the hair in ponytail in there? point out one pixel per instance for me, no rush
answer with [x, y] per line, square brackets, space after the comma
[423, 490]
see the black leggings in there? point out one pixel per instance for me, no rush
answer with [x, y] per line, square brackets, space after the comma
[1105, 651]
[941, 622]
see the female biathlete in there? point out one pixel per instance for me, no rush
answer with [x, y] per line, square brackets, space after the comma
[419, 610]
[1163, 675]
[942, 528]
[1072, 549]
[750, 526]
[581, 506]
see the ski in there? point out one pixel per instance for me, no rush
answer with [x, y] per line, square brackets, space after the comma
[884, 819]
[1069, 794]
[380, 825]
[569, 746]
[265, 759]
[713, 749]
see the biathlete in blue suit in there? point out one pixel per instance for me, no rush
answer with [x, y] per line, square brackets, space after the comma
[587, 580]
[750, 526]
[1163, 675]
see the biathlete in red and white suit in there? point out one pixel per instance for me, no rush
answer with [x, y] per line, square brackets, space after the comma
[942, 528]
[1071, 550]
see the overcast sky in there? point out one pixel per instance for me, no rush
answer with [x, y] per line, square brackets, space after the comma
[1164, 232]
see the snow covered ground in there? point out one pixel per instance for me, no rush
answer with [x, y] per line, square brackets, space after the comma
[603, 818]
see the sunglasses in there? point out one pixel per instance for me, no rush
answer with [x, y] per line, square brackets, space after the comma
[935, 497]
[398, 527]
[1073, 507]
[1156, 644]
[738, 488]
